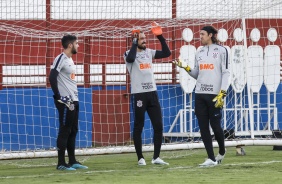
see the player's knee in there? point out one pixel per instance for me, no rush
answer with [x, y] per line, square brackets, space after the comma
[137, 130]
[64, 134]
[158, 130]
[217, 128]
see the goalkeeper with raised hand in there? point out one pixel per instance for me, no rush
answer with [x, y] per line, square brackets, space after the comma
[144, 91]
[212, 75]
[63, 84]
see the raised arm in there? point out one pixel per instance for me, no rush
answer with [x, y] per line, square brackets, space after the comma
[165, 52]
[130, 57]
[157, 31]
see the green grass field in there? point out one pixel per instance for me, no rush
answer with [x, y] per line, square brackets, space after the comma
[260, 165]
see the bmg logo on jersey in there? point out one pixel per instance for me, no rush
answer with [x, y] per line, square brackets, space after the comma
[206, 66]
[144, 66]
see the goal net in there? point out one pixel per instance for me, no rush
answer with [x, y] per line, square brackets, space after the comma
[30, 33]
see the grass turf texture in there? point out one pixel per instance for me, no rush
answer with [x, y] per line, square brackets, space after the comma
[260, 165]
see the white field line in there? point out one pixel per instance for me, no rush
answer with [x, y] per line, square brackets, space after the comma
[58, 173]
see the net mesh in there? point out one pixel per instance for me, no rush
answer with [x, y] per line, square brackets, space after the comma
[30, 33]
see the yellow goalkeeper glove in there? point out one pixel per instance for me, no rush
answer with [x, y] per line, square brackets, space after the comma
[182, 64]
[219, 99]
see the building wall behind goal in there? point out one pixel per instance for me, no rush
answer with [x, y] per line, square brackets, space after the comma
[29, 119]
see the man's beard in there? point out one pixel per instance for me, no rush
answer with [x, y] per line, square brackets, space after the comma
[73, 51]
[141, 47]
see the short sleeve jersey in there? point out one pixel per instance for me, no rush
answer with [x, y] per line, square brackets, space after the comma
[66, 79]
[141, 71]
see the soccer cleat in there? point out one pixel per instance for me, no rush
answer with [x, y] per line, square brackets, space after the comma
[78, 165]
[220, 157]
[142, 161]
[159, 161]
[208, 163]
[65, 167]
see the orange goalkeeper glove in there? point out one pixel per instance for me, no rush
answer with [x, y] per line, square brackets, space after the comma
[219, 99]
[156, 29]
[135, 36]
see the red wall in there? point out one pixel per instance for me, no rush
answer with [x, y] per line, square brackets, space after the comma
[17, 49]
[25, 50]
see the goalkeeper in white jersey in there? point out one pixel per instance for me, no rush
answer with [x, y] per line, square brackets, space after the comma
[212, 74]
[63, 84]
[144, 91]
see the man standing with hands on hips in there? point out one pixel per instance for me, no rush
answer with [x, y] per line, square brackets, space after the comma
[144, 90]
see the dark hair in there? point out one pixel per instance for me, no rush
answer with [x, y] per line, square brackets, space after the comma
[211, 29]
[67, 39]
